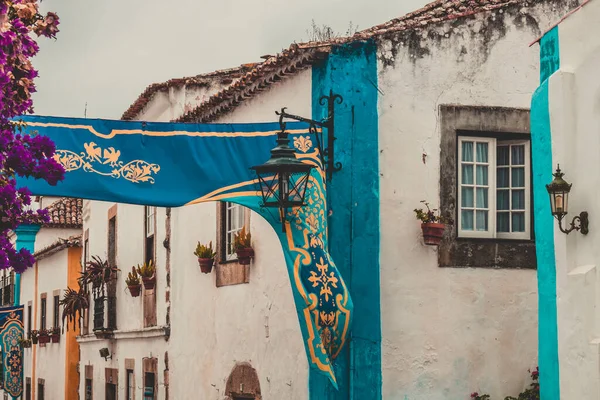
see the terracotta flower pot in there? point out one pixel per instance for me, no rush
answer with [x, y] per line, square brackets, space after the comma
[206, 264]
[433, 233]
[149, 283]
[34, 340]
[244, 255]
[134, 290]
[43, 339]
[55, 337]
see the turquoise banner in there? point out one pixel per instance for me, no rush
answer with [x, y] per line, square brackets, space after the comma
[11, 332]
[171, 165]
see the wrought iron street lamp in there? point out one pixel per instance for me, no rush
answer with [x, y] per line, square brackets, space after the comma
[559, 190]
[283, 178]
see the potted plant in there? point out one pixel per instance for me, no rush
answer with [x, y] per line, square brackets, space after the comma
[43, 336]
[133, 283]
[97, 272]
[54, 335]
[34, 336]
[206, 257]
[432, 224]
[74, 305]
[148, 273]
[242, 246]
[25, 343]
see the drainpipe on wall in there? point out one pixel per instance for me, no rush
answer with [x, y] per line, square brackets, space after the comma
[25, 240]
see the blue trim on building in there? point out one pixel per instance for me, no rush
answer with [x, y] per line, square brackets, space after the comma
[541, 143]
[25, 240]
[354, 227]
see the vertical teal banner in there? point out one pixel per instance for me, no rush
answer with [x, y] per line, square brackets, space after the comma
[353, 199]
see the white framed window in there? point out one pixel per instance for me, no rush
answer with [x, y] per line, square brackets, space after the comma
[234, 222]
[493, 188]
[150, 212]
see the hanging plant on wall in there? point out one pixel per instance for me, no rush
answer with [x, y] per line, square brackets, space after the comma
[33, 335]
[433, 224]
[242, 246]
[97, 273]
[133, 283]
[206, 257]
[148, 273]
[74, 305]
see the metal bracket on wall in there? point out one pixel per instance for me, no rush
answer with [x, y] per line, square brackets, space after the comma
[327, 154]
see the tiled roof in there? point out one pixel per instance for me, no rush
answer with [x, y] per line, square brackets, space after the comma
[302, 56]
[65, 213]
[224, 77]
[59, 245]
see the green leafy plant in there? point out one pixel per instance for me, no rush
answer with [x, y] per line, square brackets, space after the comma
[24, 343]
[203, 251]
[432, 215]
[54, 331]
[74, 305]
[133, 279]
[97, 272]
[242, 240]
[147, 270]
[532, 393]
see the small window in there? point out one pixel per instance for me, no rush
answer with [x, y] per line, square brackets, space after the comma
[28, 389]
[43, 313]
[111, 391]
[149, 386]
[493, 188]
[88, 389]
[56, 311]
[232, 221]
[149, 233]
[130, 385]
[41, 395]
[29, 317]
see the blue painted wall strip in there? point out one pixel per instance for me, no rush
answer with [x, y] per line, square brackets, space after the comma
[351, 71]
[25, 240]
[541, 142]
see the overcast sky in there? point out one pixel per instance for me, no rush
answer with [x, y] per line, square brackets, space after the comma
[108, 51]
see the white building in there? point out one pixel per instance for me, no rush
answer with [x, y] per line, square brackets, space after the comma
[436, 107]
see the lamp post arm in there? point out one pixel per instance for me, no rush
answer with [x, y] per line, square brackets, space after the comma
[579, 223]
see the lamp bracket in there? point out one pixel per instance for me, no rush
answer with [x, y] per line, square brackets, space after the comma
[579, 223]
[327, 154]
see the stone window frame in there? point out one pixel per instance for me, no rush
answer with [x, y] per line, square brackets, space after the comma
[150, 365]
[243, 383]
[89, 375]
[129, 368]
[455, 252]
[229, 272]
[149, 295]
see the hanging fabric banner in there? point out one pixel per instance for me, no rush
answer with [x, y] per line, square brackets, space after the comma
[171, 165]
[11, 334]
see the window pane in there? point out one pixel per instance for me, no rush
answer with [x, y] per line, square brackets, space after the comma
[482, 220]
[482, 198]
[467, 174]
[467, 197]
[518, 177]
[467, 151]
[503, 155]
[517, 155]
[518, 222]
[503, 200]
[502, 178]
[482, 152]
[482, 175]
[518, 199]
[466, 220]
[503, 223]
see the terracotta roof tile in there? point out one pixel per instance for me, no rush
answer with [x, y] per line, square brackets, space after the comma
[224, 76]
[60, 244]
[65, 213]
[301, 56]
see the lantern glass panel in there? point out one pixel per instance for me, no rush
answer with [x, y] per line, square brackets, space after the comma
[284, 189]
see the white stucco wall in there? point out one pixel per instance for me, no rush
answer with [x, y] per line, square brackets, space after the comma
[449, 332]
[574, 93]
[133, 340]
[52, 275]
[172, 103]
[253, 322]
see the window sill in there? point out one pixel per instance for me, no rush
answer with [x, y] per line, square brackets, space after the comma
[144, 333]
